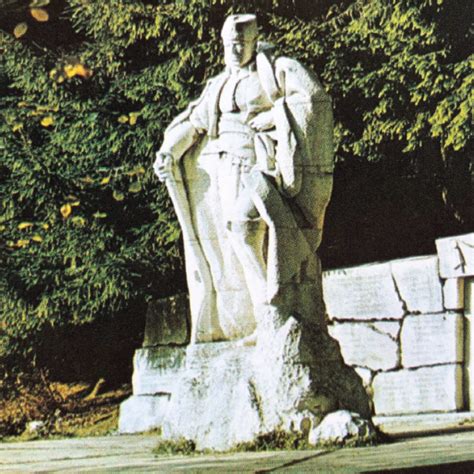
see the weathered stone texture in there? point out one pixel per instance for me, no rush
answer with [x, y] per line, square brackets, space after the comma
[469, 338]
[365, 374]
[432, 339]
[423, 390]
[419, 284]
[456, 256]
[156, 369]
[392, 328]
[142, 413]
[362, 293]
[167, 321]
[229, 393]
[361, 346]
[453, 293]
[341, 426]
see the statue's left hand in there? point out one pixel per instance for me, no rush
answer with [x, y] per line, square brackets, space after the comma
[263, 121]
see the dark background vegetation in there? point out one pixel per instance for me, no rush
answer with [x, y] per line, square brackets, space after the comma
[88, 236]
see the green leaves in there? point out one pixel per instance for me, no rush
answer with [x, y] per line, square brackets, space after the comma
[81, 122]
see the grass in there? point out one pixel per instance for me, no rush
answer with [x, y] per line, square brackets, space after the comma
[277, 440]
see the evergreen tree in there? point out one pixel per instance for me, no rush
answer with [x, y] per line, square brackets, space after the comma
[87, 88]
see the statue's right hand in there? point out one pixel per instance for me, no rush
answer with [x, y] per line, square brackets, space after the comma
[163, 166]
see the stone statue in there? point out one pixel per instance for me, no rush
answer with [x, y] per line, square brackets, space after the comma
[249, 169]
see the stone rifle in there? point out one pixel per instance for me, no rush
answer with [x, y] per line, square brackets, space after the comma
[197, 269]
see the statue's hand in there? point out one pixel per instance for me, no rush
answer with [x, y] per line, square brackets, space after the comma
[263, 121]
[163, 166]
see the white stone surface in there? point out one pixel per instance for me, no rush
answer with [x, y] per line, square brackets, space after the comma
[248, 167]
[167, 321]
[392, 328]
[453, 293]
[469, 340]
[424, 424]
[361, 293]
[242, 165]
[230, 393]
[456, 256]
[142, 413]
[339, 427]
[156, 369]
[361, 345]
[423, 390]
[365, 374]
[429, 339]
[419, 284]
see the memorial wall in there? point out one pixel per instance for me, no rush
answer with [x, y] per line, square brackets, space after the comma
[405, 326]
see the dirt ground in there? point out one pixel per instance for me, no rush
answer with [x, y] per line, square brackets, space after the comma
[41, 409]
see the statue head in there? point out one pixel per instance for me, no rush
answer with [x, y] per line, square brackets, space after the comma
[239, 35]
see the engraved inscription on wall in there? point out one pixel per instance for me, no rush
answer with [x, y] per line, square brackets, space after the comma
[366, 292]
[432, 339]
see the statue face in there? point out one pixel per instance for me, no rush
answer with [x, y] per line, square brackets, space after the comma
[238, 53]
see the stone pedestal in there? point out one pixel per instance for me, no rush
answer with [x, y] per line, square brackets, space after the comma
[223, 393]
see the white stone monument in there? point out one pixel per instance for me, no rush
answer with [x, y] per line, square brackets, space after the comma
[249, 169]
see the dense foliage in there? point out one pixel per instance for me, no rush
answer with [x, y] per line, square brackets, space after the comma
[86, 89]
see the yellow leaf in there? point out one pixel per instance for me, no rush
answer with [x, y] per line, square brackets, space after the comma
[79, 221]
[135, 187]
[123, 119]
[22, 242]
[45, 226]
[17, 126]
[75, 203]
[25, 225]
[69, 70]
[100, 215]
[82, 71]
[66, 210]
[22, 104]
[105, 180]
[60, 79]
[87, 180]
[39, 14]
[135, 171]
[118, 196]
[77, 69]
[37, 238]
[133, 118]
[47, 121]
[20, 29]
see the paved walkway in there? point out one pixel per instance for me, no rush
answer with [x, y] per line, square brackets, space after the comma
[451, 453]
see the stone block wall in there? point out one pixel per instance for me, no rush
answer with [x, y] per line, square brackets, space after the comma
[405, 327]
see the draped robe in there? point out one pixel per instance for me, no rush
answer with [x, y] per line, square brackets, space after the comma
[290, 195]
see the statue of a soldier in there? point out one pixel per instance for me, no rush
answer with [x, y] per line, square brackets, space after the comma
[249, 169]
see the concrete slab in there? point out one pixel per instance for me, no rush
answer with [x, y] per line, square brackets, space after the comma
[132, 453]
[429, 423]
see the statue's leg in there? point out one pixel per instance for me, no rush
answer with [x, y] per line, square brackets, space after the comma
[208, 180]
[287, 246]
[247, 237]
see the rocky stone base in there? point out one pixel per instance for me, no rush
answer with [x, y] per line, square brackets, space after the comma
[225, 393]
